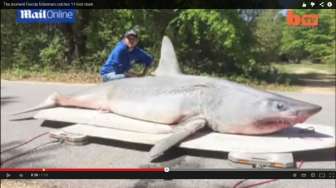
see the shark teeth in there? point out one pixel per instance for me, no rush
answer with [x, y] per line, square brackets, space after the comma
[274, 123]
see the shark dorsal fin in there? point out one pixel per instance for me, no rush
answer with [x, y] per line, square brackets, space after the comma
[168, 64]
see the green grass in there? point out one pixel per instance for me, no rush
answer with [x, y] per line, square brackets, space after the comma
[76, 76]
[320, 74]
[70, 76]
[309, 77]
[306, 67]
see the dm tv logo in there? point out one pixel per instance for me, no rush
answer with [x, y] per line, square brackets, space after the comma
[306, 20]
[46, 16]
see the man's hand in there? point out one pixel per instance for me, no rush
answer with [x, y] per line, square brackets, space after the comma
[144, 72]
[146, 69]
[134, 74]
[131, 74]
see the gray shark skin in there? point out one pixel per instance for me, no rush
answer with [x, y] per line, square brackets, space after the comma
[189, 103]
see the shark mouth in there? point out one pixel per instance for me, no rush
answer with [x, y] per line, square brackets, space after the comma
[268, 125]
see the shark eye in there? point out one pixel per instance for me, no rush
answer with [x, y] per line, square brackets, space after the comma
[280, 106]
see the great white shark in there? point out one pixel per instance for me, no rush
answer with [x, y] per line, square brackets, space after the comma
[188, 103]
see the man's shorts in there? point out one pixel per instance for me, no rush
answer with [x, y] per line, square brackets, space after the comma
[112, 76]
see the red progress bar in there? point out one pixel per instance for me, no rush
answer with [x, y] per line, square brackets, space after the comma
[81, 169]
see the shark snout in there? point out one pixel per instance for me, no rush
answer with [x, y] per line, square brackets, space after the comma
[314, 109]
[311, 109]
[307, 110]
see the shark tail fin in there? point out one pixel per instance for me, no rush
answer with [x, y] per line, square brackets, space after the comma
[48, 103]
[168, 64]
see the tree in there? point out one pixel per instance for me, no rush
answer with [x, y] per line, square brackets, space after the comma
[207, 40]
[316, 44]
[267, 33]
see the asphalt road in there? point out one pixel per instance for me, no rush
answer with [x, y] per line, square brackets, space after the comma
[16, 96]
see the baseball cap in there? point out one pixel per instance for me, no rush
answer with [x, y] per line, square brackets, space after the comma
[131, 32]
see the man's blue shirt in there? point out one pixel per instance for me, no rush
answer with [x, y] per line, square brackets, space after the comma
[119, 61]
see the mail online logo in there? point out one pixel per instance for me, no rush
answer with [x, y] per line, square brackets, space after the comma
[46, 16]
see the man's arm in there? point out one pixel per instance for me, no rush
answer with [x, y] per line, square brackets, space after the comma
[114, 58]
[131, 73]
[146, 69]
[145, 59]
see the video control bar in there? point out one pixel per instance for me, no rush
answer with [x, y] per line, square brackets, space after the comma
[161, 173]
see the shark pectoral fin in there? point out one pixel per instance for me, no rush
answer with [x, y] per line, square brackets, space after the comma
[182, 131]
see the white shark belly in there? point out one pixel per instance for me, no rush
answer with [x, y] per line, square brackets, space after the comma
[166, 109]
